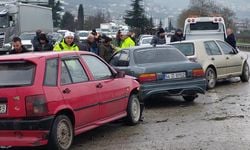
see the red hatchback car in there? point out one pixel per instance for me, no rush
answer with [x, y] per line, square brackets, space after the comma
[48, 98]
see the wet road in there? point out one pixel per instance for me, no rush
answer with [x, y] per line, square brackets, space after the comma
[218, 120]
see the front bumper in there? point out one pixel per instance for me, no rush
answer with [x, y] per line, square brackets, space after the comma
[21, 132]
[177, 88]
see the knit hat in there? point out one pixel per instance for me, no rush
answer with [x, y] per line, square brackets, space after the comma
[68, 33]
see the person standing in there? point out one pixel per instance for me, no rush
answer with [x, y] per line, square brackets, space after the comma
[159, 38]
[178, 36]
[35, 40]
[127, 42]
[44, 44]
[17, 46]
[231, 38]
[106, 49]
[67, 43]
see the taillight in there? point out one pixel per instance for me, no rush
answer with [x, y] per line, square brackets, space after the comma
[147, 77]
[198, 73]
[36, 105]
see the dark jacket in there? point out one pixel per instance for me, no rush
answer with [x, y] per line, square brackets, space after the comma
[106, 52]
[176, 37]
[24, 50]
[231, 40]
[46, 47]
[157, 40]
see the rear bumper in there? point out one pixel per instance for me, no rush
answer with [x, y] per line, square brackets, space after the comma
[18, 132]
[178, 88]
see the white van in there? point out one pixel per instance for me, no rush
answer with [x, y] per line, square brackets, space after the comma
[204, 28]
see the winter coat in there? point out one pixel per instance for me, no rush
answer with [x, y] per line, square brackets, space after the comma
[231, 40]
[62, 46]
[157, 40]
[127, 43]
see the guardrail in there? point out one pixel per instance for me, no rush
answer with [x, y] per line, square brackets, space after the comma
[244, 47]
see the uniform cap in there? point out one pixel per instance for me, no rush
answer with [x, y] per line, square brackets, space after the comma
[68, 33]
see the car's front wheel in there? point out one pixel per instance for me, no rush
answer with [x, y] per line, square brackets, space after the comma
[61, 136]
[245, 73]
[133, 110]
[211, 78]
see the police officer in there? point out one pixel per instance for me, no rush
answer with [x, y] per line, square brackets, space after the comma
[67, 43]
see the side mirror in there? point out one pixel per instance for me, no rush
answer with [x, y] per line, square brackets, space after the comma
[120, 74]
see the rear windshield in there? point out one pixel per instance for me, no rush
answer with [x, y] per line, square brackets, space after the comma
[16, 73]
[186, 48]
[204, 26]
[157, 55]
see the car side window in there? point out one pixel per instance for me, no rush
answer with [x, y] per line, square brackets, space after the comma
[124, 59]
[73, 72]
[212, 48]
[115, 59]
[225, 47]
[99, 69]
[51, 72]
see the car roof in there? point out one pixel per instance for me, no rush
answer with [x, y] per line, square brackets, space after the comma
[38, 55]
[147, 47]
[194, 41]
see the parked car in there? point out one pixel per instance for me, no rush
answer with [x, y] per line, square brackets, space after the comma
[26, 38]
[218, 59]
[82, 35]
[161, 70]
[49, 97]
[55, 37]
[145, 41]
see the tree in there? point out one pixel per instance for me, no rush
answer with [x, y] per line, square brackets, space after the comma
[207, 8]
[94, 22]
[80, 18]
[160, 24]
[56, 9]
[136, 18]
[68, 22]
[151, 23]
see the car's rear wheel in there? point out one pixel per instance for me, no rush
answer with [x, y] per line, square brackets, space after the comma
[61, 136]
[133, 110]
[245, 73]
[189, 98]
[211, 78]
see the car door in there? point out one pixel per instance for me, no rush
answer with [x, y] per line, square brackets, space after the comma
[78, 91]
[234, 60]
[121, 61]
[113, 93]
[216, 57]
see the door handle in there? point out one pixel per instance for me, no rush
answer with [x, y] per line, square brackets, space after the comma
[212, 58]
[99, 85]
[66, 91]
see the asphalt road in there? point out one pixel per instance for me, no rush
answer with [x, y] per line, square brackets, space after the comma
[218, 120]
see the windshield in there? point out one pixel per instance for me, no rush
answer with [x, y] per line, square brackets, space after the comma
[16, 74]
[27, 36]
[146, 41]
[186, 48]
[143, 56]
[4, 23]
[83, 34]
[204, 26]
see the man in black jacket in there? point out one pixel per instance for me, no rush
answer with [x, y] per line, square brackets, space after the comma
[159, 38]
[231, 38]
[17, 46]
[178, 36]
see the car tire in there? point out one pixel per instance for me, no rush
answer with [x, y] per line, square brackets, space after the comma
[245, 73]
[189, 98]
[61, 136]
[133, 110]
[211, 78]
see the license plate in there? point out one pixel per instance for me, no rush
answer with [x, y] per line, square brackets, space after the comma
[3, 108]
[177, 75]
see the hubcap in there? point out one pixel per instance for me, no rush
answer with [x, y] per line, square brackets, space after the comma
[211, 78]
[246, 71]
[64, 134]
[135, 109]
